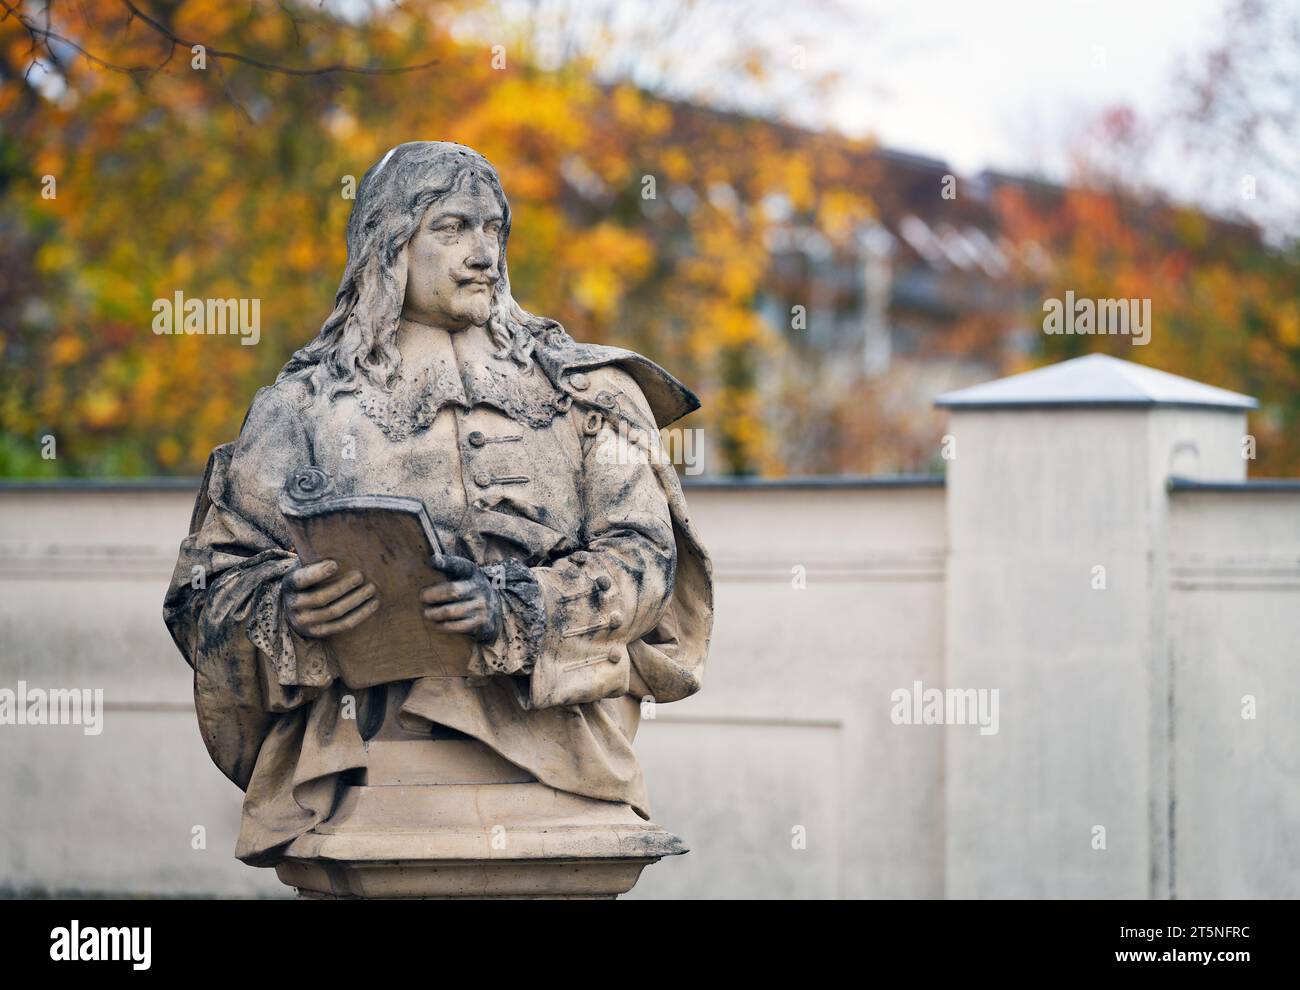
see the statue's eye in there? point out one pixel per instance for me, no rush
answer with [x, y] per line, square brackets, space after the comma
[448, 227]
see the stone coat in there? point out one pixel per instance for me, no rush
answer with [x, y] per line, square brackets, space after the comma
[552, 478]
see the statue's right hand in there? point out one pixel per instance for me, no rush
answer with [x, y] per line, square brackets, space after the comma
[317, 604]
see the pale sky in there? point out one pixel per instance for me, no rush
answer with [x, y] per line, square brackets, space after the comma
[1003, 84]
[979, 83]
[997, 82]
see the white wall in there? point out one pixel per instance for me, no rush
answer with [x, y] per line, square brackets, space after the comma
[791, 729]
[1234, 602]
[1120, 708]
[1059, 521]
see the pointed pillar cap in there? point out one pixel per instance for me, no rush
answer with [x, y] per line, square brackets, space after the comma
[1094, 380]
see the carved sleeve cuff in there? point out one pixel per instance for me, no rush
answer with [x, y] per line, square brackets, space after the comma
[289, 662]
[523, 625]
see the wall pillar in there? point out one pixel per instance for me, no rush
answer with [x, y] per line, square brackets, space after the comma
[1056, 598]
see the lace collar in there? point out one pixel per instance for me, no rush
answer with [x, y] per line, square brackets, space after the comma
[466, 372]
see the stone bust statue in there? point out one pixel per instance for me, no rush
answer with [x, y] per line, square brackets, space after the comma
[566, 561]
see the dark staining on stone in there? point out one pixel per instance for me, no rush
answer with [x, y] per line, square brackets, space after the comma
[637, 574]
[370, 715]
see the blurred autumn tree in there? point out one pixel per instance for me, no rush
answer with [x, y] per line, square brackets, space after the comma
[1225, 308]
[641, 217]
[229, 180]
[1225, 285]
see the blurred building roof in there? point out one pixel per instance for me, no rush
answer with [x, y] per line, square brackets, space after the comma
[1094, 380]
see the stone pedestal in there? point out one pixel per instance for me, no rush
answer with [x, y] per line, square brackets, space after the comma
[448, 817]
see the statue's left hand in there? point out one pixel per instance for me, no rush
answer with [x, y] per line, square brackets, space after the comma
[464, 603]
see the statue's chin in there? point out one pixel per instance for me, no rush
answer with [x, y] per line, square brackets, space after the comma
[478, 315]
[453, 321]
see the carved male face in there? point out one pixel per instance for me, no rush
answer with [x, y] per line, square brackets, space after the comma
[452, 258]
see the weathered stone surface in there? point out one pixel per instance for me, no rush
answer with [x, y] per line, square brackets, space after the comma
[566, 572]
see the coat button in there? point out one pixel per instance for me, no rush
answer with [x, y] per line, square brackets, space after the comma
[578, 556]
[603, 582]
[477, 439]
[615, 619]
[579, 381]
[482, 479]
[614, 657]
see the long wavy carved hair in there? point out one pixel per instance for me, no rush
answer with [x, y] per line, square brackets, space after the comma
[359, 339]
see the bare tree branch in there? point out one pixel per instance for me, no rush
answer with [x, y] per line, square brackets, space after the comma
[218, 53]
[43, 35]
